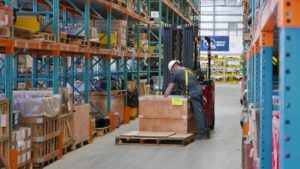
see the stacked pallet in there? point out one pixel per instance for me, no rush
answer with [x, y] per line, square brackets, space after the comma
[4, 134]
[174, 112]
[21, 141]
[118, 33]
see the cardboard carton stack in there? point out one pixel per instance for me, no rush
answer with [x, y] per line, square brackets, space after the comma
[118, 33]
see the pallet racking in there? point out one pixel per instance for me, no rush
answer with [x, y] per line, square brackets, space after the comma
[274, 21]
[56, 64]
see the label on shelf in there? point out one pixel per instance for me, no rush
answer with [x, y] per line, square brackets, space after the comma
[154, 14]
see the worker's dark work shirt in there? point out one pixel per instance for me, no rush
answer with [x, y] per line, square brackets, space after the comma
[178, 77]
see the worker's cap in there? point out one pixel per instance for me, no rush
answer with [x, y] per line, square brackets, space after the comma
[171, 64]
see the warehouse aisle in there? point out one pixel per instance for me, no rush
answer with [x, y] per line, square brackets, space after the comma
[222, 151]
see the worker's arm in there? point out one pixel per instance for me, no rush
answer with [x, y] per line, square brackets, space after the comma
[169, 89]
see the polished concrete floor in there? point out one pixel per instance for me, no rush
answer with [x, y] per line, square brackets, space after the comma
[222, 151]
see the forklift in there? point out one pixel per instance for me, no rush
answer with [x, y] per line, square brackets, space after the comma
[208, 86]
[182, 43]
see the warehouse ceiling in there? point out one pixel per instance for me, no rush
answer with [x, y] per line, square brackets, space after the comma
[221, 18]
[221, 2]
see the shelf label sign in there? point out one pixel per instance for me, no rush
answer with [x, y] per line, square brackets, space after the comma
[154, 14]
[218, 43]
[177, 102]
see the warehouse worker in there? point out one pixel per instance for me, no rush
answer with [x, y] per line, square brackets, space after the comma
[187, 81]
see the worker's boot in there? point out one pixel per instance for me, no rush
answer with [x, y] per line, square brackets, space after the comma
[203, 136]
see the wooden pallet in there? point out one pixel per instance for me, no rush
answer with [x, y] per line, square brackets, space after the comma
[64, 40]
[120, 2]
[25, 166]
[22, 33]
[45, 163]
[67, 149]
[45, 37]
[79, 42]
[4, 32]
[122, 48]
[81, 144]
[95, 44]
[155, 138]
[101, 131]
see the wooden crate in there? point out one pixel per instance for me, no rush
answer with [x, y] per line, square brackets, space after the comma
[67, 104]
[81, 124]
[66, 125]
[157, 110]
[4, 118]
[4, 152]
[46, 145]
[21, 141]
[4, 134]
[117, 102]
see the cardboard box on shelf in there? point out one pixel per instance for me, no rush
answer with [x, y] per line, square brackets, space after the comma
[6, 16]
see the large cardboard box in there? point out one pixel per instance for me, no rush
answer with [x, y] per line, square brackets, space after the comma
[172, 114]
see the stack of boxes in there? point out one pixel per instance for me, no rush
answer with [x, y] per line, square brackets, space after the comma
[118, 33]
[6, 20]
[6, 16]
[21, 140]
[144, 45]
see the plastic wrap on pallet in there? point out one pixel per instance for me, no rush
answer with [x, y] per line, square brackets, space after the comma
[37, 105]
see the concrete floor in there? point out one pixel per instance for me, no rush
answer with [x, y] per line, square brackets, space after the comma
[222, 151]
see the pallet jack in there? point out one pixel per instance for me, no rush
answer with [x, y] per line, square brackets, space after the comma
[181, 43]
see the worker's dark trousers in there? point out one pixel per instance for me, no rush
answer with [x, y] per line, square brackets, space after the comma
[196, 98]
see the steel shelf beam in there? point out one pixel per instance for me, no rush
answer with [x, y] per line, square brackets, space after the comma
[266, 81]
